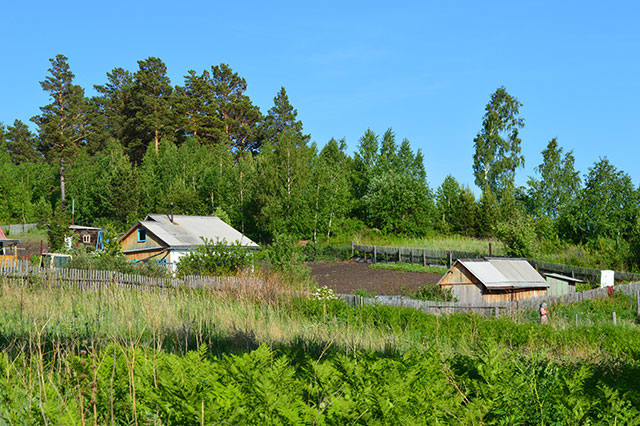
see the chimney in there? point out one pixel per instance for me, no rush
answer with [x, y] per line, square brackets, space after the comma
[171, 218]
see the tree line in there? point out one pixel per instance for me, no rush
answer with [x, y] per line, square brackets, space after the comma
[141, 145]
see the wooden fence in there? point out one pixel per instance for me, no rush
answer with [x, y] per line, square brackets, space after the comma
[92, 279]
[20, 228]
[439, 308]
[447, 257]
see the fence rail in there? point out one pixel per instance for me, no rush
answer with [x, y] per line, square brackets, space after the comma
[92, 279]
[20, 228]
[447, 257]
[439, 308]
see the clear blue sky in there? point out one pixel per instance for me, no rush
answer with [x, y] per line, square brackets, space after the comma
[426, 69]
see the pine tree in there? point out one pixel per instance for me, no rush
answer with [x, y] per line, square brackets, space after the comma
[22, 144]
[63, 124]
[280, 118]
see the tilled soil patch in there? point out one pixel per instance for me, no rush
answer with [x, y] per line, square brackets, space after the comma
[347, 277]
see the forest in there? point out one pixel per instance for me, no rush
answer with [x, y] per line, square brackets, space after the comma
[142, 144]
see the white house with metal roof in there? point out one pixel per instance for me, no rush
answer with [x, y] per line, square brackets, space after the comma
[166, 238]
[493, 280]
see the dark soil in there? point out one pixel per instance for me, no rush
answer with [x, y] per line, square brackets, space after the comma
[347, 277]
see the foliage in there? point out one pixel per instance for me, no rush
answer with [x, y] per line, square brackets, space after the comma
[434, 293]
[215, 258]
[517, 233]
[409, 267]
[122, 356]
[497, 145]
[58, 230]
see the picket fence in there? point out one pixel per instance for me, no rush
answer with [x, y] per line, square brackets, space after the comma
[19, 228]
[495, 309]
[447, 257]
[93, 279]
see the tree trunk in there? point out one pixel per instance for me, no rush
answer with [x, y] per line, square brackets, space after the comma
[156, 139]
[63, 198]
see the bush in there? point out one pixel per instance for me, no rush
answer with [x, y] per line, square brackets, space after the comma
[433, 293]
[215, 258]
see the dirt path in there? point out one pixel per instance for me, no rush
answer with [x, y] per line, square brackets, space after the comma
[346, 277]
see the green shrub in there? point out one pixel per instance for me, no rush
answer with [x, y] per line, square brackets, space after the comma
[215, 258]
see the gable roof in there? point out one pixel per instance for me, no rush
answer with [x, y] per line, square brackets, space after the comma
[188, 231]
[503, 273]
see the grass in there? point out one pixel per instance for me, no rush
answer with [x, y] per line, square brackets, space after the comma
[409, 267]
[148, 357]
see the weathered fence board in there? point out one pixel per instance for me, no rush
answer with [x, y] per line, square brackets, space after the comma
[19, 228]
[439, 308]
[446, 257]
[92, 279]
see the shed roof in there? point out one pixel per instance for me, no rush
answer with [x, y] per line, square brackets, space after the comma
[563, 278]
[502, 273]
[188, 231]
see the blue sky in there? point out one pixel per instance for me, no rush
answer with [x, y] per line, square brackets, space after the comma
[426, 69]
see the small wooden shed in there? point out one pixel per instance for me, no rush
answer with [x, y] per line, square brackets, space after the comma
[87, 235]
[560, 285]
[493, 280]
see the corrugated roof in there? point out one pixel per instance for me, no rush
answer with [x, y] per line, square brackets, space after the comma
[188, 231]
[504, 273]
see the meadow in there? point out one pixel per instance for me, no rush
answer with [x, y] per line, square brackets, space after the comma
[269, 354]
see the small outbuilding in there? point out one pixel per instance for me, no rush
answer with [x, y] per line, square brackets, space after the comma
[88, 236]
[166, 238]
[560, 285]
[493, 280]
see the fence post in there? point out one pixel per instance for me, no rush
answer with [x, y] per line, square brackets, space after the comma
[638, 303]
[576, 320]
[411, 260]
[615, 320]
[352, 249]
[450, 258]
[375, 254]
[399, 259]
[424, 262]
[495, 309]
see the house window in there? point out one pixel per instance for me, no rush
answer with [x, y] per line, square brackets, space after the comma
[86, 239]
[142, 235]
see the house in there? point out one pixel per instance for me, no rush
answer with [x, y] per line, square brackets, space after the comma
[8, 249]
[560, 285]
[493, 280]
[87, 235]
[166, 238]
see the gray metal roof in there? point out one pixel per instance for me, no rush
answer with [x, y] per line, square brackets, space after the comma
[498, 273]
[563, 278]
[188, 231]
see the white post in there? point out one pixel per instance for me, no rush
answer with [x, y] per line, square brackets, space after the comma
[606, 278]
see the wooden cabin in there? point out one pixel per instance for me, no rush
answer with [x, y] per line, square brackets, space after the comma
[493, 280]
[560, 285]
[88, 236]
[165, 238]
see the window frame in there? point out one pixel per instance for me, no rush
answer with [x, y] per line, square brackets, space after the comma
[142, 235]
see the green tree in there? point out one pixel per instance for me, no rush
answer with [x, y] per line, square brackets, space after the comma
[63, 124]
[559, 181]
[285, 176]
[400, 204]
[152, 116]
[497, 145]
[240, 118]
[606, 207]
[114, 108]
[280, 118]
[332, 198]
[22, 143]
[447, 196]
